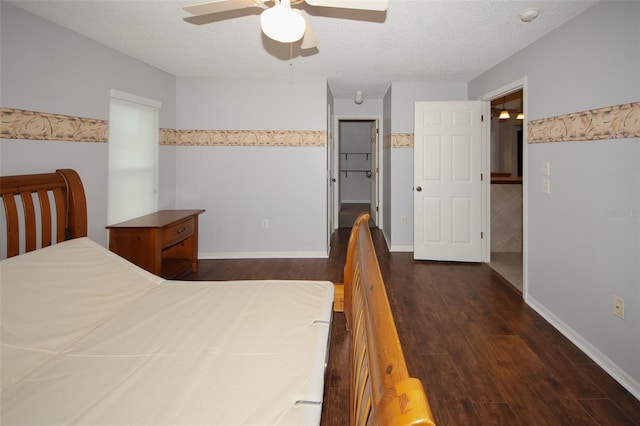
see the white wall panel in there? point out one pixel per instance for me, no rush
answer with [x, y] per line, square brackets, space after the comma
[242, 186]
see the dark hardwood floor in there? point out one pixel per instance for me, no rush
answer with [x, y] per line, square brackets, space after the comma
[484, 356]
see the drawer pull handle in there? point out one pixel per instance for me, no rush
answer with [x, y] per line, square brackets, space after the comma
[180, 231]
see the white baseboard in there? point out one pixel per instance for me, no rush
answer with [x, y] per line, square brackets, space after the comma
[266, 255]
[355, 201]
[625, 380]
[386, 239]
[401, 248]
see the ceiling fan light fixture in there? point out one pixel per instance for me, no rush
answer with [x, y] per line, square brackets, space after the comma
[283, 24]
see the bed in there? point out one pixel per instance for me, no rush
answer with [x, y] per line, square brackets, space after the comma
[89, 338]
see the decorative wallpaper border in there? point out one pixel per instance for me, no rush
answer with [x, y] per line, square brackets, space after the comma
[614, 122]
[284, 138]
[402, 140]
[21, 124]
[33, 125]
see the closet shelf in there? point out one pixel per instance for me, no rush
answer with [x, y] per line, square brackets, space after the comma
[346, 171]
[346, 154]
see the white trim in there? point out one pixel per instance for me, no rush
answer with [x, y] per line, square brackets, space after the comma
[386, 238]
[265, 255]
[118, 94]
[628, 382]
[520, 84]
[401, 248]
[328, 153]
[336, 155]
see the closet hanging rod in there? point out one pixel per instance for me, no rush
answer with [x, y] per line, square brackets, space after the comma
[346, 154]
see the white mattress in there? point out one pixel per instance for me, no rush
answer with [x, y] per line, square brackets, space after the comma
[90, 339]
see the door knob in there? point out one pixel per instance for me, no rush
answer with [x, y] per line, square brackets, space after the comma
[419, 188]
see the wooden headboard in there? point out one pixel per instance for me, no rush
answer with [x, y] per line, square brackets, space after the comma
[59, 214]
[381, 390]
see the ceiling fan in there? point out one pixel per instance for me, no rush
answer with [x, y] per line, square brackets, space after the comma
[280, 22]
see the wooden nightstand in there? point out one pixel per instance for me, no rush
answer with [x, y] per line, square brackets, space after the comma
[164, 243]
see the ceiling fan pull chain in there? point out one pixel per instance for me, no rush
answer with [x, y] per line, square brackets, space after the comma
[290, 63]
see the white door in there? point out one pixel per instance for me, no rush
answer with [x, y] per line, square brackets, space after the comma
[373, 171]
[330, 178]
[447, 181]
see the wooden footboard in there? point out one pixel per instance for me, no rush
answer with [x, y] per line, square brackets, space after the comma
[59, 214]
[381, 391]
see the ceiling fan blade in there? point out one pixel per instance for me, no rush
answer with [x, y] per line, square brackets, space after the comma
[309, 39]
[216, 6]
[377, 5]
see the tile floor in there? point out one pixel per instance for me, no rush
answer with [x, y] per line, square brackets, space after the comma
[509, 266]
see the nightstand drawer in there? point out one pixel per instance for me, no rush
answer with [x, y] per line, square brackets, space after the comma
[178, 232]
[164, 243]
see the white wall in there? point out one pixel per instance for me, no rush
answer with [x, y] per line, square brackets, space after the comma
[348, 108]
[256, 104]
[47, 68]
[242, 186]
[404, 95]
[579, 254]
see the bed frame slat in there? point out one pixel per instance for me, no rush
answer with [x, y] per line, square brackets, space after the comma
[382, 392]
[29, 221]
[61, 217]
[45, 217]
[70, 209]
[13, 236]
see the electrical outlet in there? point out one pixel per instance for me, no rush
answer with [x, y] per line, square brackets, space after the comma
[265, 223]
[546, 186]
[403, 220]
[618, 306]
[546, 169]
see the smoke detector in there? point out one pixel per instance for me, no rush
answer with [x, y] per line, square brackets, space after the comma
[528, 15]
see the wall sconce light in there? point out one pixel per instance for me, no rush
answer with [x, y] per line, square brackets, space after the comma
[358, 98]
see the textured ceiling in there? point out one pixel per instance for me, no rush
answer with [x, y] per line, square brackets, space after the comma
[428, 40]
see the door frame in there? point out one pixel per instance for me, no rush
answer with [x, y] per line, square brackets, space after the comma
[514, 86]
[336, 162]
[331, 218]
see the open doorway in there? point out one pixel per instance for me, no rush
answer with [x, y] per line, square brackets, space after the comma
[507, 151]
[357, 165]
